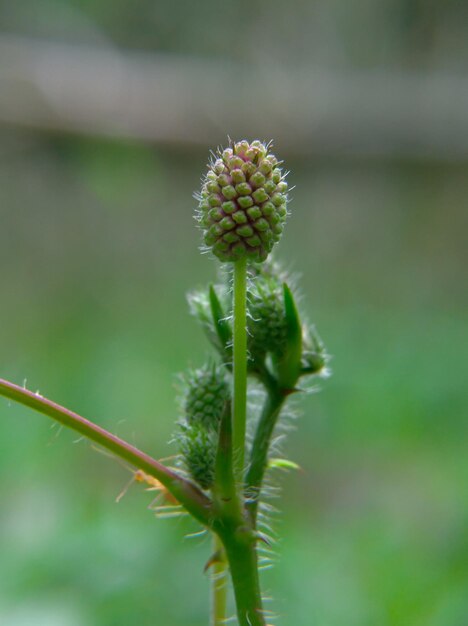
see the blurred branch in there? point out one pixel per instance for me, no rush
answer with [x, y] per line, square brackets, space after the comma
[185, 492]
[182, 100]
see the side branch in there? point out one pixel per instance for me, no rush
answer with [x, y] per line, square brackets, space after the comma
[187, 493]
[261, 445]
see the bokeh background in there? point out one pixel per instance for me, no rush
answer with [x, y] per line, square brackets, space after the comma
[107, 112]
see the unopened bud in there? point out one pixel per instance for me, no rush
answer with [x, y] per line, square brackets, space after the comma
[242, 204]
[206, 396]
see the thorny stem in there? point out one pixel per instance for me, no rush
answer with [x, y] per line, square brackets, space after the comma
[235, 530]
[242, 556]
[224, 493]
[239, 404]
[187, 493]
[261, 445]
[242, 552]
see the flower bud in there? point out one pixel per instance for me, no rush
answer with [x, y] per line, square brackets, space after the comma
[206, 396]
[242, 204]
[205, 399]
[198, 448]
[267, 322]
[314, 356]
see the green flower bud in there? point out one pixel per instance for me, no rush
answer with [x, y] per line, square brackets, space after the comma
[314, 356]
[207, 392]
[205, 399]
[267, 322]
[198, 448]
[244, 186]
[313, 362]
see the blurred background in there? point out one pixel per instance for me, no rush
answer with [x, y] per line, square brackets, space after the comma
[107, 112]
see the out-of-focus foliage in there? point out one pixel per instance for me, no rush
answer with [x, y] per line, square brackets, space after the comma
[98, 248]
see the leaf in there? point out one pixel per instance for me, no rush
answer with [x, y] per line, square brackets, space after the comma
[222, 326]
[283, 464]
[289, 365]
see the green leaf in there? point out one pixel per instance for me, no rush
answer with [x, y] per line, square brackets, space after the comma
[222, 326]
[283, 464]
[224, 475]
[288, 367]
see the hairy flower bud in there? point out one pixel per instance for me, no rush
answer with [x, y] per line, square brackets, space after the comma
[314, 356]
[267, 321]
[242, 204]
[205, 399]
[198, 449]
[206, 396]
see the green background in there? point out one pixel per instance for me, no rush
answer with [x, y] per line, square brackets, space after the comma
[98, 248]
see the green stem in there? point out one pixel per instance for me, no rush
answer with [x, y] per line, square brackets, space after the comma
[261, 445]
[219, 587]
[227, 500]
[243, 563]
[186, 492]
[239, 404]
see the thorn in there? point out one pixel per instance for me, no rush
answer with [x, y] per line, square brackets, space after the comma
[214, 558]
[264, 539]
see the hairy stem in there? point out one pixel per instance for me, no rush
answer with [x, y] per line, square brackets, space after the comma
[239, 404]
[243, 563]
[261, 445]
[188, 494]
[219, 588]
